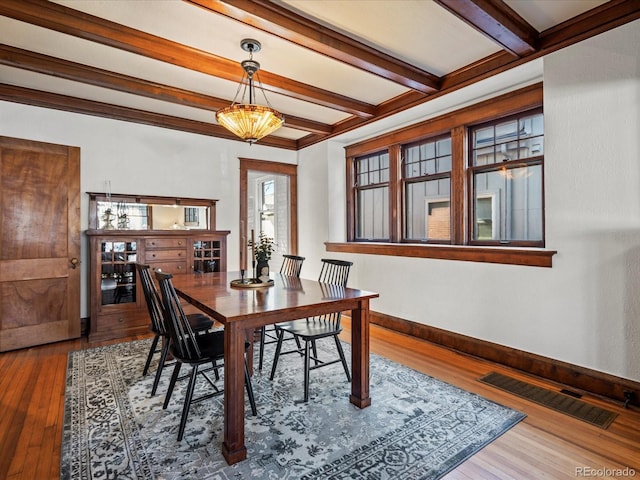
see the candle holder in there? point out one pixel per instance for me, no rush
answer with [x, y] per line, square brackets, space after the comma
[251, 283]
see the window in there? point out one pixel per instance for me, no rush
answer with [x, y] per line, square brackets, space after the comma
[426, 174]
[470, 180]
[486, 223]
[266, 208]
[506, 179]
[191, 216]
[372, 197]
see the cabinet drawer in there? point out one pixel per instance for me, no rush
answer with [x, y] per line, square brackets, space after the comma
[155, 255]
[151, 243]
[170, 267]
[120, 322]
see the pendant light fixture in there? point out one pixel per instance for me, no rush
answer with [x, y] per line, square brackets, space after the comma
[250, 121]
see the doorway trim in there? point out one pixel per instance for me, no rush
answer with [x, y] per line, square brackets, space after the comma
[268, 167]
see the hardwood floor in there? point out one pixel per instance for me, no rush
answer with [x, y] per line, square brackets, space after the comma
[546, 445]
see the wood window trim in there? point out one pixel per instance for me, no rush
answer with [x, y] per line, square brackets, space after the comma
[454, 124]
[530, 257]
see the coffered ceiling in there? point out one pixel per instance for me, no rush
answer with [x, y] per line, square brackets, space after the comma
[329, 66]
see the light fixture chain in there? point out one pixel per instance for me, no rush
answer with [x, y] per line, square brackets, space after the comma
[240, 85]
[262, 90]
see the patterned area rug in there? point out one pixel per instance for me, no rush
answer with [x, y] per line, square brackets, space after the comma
[416, 428]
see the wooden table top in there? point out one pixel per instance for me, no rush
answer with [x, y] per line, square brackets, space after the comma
[289, 298]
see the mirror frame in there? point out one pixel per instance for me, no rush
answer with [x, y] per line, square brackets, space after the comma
[152, 200]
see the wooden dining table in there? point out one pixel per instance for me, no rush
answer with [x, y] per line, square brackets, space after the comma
[242, 310]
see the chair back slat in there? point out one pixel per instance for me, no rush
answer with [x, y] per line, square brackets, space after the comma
[335, 272]
[333, 278]
[152, 298]
[183, 339]
[291, 265]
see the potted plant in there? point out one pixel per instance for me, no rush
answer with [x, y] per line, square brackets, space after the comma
[262, 250]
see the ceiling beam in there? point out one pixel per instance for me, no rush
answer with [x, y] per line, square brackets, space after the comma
[497, 21]
[277, 20]
[600, 19]
[27, 96]
[57, 67]
[603, 18]
[88, 27]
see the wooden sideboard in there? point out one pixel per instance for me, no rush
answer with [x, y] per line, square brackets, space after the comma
[118, 307]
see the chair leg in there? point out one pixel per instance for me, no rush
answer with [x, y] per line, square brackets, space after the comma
[215, 366]
[307, 364]
[249, 387]
[172, 383]
[152, 350]
[277, 355]
[315, 352]
[163, 358]
[263, 334]
[187, 401]
[342, 357]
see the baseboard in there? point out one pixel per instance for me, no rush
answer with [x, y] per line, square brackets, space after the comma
[590, 381]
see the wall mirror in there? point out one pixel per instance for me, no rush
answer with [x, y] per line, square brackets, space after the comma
[132, 212]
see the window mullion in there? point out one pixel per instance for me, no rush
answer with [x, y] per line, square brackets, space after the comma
[351, 199]
[395, 193]
[458, 185]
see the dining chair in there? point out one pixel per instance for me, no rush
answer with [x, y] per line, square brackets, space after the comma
[199, 322]
[291, 267]
[194, 350]
[333, 278]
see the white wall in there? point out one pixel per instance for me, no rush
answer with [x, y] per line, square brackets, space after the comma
[313, 207]
[139, 159]
[586, 309]
[592, 107]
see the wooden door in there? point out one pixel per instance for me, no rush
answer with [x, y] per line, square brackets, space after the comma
[39, 243]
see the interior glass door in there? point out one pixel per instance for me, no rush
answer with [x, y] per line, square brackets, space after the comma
[268, 205]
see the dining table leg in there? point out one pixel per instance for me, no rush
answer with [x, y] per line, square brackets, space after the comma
[233, 448]
[360, 355]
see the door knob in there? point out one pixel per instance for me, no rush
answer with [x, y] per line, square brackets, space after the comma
[74, 263]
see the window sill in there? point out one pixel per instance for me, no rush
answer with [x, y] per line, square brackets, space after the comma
[531, 257]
